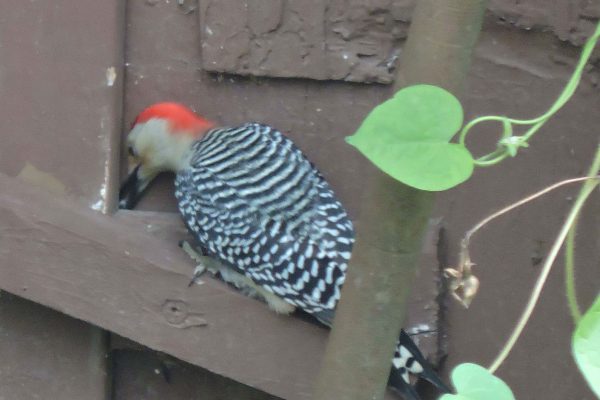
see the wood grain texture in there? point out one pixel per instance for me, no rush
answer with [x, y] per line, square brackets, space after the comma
[61, 75]
[47, 355]
[118, 273]
[147, 375]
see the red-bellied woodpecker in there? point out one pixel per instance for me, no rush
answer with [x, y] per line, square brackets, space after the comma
[263, 216]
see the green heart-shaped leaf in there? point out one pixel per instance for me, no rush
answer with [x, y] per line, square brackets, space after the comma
[473, 382]
[586, 346]
[408, 137]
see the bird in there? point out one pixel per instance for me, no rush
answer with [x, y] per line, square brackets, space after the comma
[264, 219]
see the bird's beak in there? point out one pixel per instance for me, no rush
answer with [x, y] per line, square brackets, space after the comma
[131, 190]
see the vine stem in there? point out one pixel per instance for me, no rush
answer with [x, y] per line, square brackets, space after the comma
[568, 91]
[570, 253]
[519, 203]
[570, 275]
[586, 190]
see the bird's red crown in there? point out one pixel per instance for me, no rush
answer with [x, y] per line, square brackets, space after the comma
[181, 119]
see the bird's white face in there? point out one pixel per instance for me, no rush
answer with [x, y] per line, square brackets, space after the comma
[153, 148]
[160, 140]
[157, 148]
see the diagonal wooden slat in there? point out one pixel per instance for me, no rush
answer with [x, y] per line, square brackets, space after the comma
[118, 273]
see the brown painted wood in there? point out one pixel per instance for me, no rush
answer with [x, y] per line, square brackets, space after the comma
[61, 79]
[148, 375]
[114, 275]
[114, 272]
[47, 355]
[142, 373]
[61, 87]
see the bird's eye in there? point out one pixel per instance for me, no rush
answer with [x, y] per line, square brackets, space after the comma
[131, 151]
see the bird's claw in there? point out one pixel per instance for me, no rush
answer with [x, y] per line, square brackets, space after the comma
[198, 271]
[205, 263]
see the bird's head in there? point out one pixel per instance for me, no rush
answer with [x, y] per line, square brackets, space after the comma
[160, 140]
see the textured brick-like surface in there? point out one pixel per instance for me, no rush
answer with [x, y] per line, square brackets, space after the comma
[352, 40]
[569, 20]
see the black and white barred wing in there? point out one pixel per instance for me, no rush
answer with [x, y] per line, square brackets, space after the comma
[257, 204]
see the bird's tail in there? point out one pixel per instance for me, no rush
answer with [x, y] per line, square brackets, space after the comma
[409, 360]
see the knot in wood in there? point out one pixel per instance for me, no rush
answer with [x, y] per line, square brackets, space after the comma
[176, 313]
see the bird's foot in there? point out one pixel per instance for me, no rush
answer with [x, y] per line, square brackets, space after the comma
[194, 253]
[198, 272]
[205, 263]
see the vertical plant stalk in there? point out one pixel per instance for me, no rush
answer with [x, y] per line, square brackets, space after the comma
[570, 246]
[393, 218]
[587, 189]
[570, 274]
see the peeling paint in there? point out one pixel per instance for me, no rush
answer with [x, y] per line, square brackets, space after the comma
[419, 328]
[100, 205]
[111, 76]
[352, 40]
[104, 143]
[39, 178]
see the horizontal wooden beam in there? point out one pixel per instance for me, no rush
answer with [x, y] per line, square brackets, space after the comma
[126, 273]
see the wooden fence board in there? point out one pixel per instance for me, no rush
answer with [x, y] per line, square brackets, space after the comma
[113, 272]
[61, 70]
[47, 355]
[148, 375]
